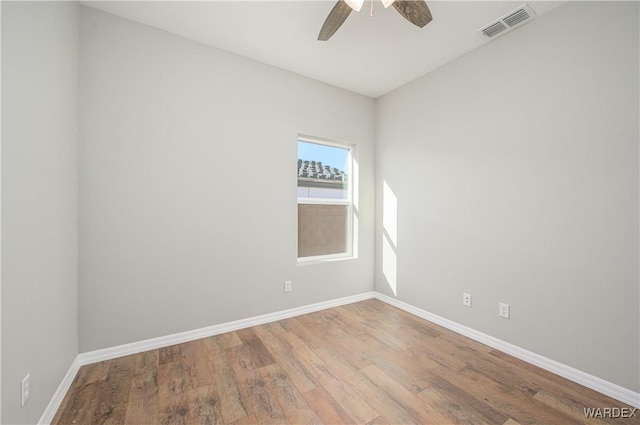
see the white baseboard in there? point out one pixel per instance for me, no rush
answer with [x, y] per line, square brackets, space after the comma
[179, 338]
[612, 390]
[165, 341]
[58, 396]
[598, 384]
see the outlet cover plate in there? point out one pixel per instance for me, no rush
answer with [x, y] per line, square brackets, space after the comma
[466, 299]
[503, 310]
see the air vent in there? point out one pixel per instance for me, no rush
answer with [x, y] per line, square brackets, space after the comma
[494, 29]
[516, 17]
[509, 21]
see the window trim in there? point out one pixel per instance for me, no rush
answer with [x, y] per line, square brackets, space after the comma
[349, 253]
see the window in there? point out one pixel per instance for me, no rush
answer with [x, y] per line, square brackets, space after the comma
[325, 200]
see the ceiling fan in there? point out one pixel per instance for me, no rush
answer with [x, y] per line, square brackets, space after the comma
[415, 11]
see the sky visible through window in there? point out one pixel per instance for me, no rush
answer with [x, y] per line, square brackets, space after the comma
[328, 155]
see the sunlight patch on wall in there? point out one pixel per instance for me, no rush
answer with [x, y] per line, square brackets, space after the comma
[389, 264]
[390, 214]
[390, 237]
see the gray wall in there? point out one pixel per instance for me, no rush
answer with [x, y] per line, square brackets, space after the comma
[515, 169]
[188, 192]
[39, 201]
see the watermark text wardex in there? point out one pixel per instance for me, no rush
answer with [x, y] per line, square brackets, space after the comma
[610, 412]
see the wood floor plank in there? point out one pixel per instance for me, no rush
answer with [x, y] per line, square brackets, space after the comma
[421, 338]
[229, 339]
[345, 321]
[92, 373]
[469, 378]
[529, 380]
[350, 401]
[363, 363]
[293, 404]
[563, 388]
[247, 420]
[375, 327]
[366, 389]
[441, 354]
[231, 405]
[135, 409]
[330, 334]
[253, 390]
[458, 404]
[473, 384]
[204, 406]
[510, 377]
[416, 361]
[277, 328]
[299, 376]
[170, 354]
[326, 407]
[261, 356]
[114, 395]
[409, 401]
[80, 405]
[294, 326]
[462, 342]
[453, 394]
[513, 403]
[173, 387]
[566, 407]
[142, 407]
[403, 370]
[196, 364]
[449, 407]
[393, 315]
[379, 421]
[370, 327]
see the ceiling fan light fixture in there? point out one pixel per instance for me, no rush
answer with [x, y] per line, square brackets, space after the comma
[355, 4]
[415, 11]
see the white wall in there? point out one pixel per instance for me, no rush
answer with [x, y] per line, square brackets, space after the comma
[39, 201]
[515, 169]
[188, 192]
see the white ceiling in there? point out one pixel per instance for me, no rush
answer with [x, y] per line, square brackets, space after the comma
[371, 55]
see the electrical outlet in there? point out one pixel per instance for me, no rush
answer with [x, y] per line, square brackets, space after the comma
[287, 286]
[466, 299]
[25, 389]
[503, 310]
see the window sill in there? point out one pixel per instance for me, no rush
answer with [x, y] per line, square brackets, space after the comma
[323, 259]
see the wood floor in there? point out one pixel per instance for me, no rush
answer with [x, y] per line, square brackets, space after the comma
[364, 363]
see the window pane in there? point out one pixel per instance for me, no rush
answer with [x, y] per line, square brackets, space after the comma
[322, 229]
[322, 171]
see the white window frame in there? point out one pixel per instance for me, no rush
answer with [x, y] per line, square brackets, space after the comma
[349, 202]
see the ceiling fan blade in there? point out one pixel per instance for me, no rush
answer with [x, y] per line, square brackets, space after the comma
[415, 11]
[336, 18]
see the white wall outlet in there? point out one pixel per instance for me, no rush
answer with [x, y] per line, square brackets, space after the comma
[503, 310]
[25, 389]
[466, 299]
[287, 286]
